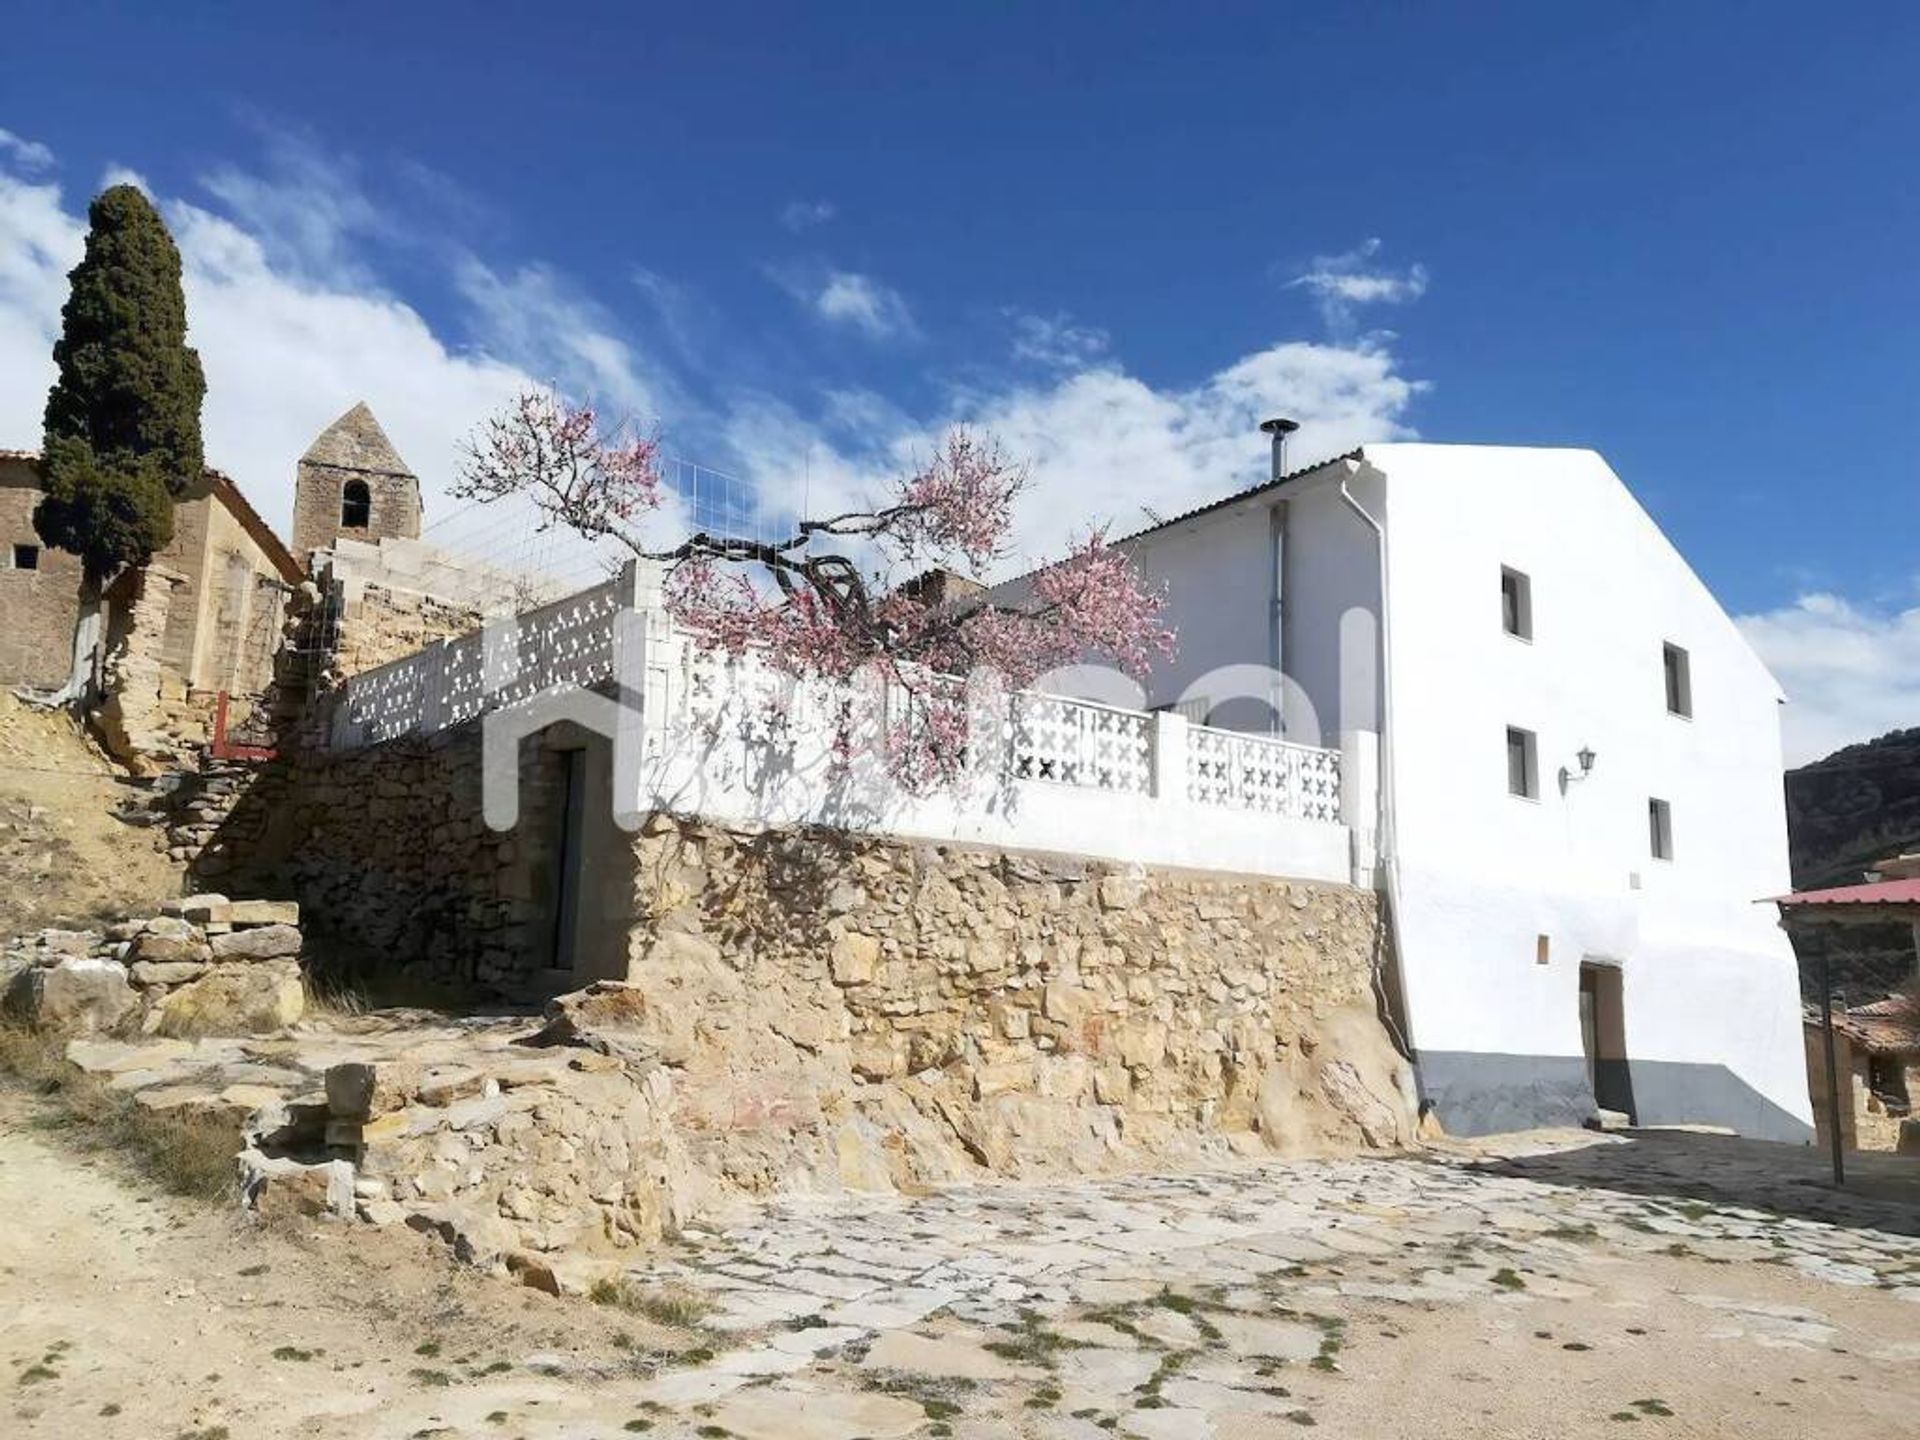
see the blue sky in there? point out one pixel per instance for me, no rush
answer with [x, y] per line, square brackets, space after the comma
[801, 239]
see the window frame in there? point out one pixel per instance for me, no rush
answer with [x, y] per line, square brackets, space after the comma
[1676, 680]
[1522, 603]
[1660, 828]
[1529, 763]
[32, 552]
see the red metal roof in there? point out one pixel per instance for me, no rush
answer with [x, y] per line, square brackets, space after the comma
[1879, 892]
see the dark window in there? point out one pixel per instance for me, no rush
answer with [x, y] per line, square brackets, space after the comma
[1516, 603]
[26, 557]
[1887, 1079]
[356, 505]
[1660, 829]
[1679, 672]
[1523, 773]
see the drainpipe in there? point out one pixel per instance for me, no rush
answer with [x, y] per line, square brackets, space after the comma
[1277, 430]
[1388, 840]
[1276, 616]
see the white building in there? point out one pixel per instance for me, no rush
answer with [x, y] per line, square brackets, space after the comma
[1565, 934]
[1565, 778]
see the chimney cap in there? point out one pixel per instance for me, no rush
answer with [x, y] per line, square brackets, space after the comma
[1279, 425]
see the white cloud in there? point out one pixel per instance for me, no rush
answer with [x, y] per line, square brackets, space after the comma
[1850, 672]
[292, 332]
[801, 215]
[292, 329]
[864, 303]
[1104, 445]
[1056, 341]
[286, 354]
[1342, 283]
[306, 209]
[844, 297]
[28, 155]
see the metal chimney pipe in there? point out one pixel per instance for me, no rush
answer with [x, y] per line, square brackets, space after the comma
[1279, 428]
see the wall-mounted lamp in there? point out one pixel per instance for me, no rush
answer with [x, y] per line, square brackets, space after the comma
[1585, 759]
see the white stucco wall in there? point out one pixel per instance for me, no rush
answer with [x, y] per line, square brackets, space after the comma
[1217, 572]
[1708, 978]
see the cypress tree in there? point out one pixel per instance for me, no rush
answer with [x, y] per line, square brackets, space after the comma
[123, 418]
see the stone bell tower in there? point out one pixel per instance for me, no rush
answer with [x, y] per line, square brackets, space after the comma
[352, 483]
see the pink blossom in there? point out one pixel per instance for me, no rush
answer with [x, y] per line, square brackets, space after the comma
[821, 604]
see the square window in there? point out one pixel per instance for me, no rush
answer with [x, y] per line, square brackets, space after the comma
[1660, 829]
[26, 557]
[1523, 773]
[1679, 675]
[1516, 603]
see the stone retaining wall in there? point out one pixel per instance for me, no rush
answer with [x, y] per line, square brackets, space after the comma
[852, 1007]
[387, 852]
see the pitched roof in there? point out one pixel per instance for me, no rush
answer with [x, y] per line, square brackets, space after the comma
[356, 442]
[1247, 494]
[1357, 453]
[1887, 1026]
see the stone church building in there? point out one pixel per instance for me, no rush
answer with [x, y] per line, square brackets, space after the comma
[210, 613]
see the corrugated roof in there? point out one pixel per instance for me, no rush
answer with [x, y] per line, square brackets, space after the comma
[1878, 892]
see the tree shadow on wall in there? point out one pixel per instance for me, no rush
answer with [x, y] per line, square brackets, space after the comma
[786, 884]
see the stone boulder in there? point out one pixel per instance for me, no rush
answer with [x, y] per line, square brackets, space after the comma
[75, 996]
[268, 942]
[610, 1016]
[235, 1000]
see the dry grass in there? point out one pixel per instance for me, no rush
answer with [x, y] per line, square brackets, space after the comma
[190, 1155]
[669, 1306]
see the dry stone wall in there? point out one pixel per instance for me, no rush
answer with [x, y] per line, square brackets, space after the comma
[387, 851]
[877, 1014]
[205, 965]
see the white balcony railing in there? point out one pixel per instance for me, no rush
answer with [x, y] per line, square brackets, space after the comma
[726, 739]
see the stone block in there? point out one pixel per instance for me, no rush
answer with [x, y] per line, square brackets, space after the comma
[1003, 1078]
[357, 1089]
[855, 959]
[249, 913]
[169, 950]
[267, 942]
[197, 908]
[145, 973]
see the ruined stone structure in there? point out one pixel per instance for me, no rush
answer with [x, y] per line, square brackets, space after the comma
[353, 484]
[204, 615]
[40, 587]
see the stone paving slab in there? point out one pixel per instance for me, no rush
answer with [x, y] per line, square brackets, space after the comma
[1207, 1304]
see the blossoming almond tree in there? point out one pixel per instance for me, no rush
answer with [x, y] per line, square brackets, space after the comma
[825, 602]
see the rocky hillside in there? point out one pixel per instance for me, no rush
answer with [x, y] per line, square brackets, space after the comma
[1856, 806]
[64, 858]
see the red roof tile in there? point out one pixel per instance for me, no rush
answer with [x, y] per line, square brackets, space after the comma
[1879, 892]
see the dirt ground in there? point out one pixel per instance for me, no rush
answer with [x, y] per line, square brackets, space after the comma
[63, 857]
[129, 1314]
[123, 1314]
